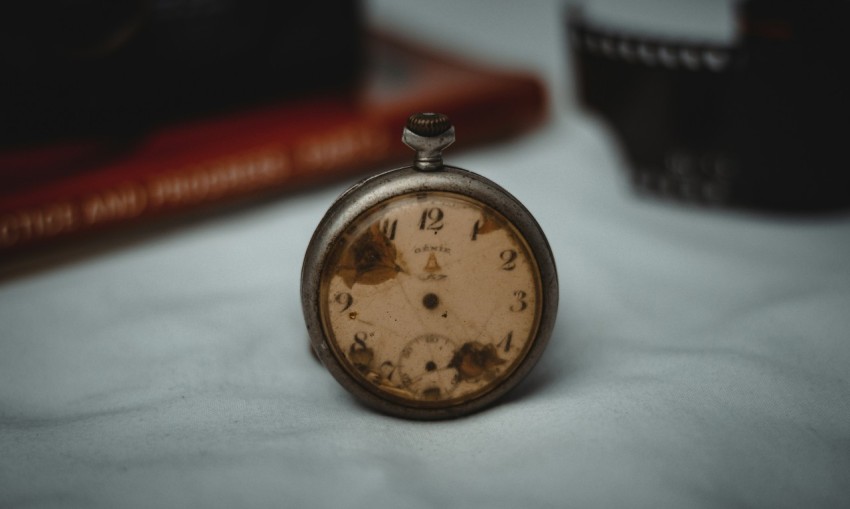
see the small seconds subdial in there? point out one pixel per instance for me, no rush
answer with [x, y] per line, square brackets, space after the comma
[425, 367]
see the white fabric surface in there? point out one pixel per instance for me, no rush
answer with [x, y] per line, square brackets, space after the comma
[700, 359]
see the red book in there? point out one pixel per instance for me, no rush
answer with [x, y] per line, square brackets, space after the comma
[79, 187]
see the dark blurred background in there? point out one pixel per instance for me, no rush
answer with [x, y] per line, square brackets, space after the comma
[96, 66]
[754, 129]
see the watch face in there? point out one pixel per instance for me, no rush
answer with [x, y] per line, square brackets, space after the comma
[430, 299]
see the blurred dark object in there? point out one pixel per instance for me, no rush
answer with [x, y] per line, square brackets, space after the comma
[77, 67]
[755, 124]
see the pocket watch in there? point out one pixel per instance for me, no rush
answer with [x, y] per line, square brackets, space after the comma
[428, 291]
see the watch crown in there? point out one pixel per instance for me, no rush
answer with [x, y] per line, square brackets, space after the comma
[428, 134]
[428, 124]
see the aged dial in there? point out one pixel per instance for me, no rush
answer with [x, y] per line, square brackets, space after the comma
[430, 297]
[428, 291]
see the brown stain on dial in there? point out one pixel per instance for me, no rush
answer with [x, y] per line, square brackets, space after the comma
[372, 259]
[487, 224]
[474, 360]
[361, 358]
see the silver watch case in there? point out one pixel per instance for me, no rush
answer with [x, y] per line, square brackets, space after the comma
[374, 190]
